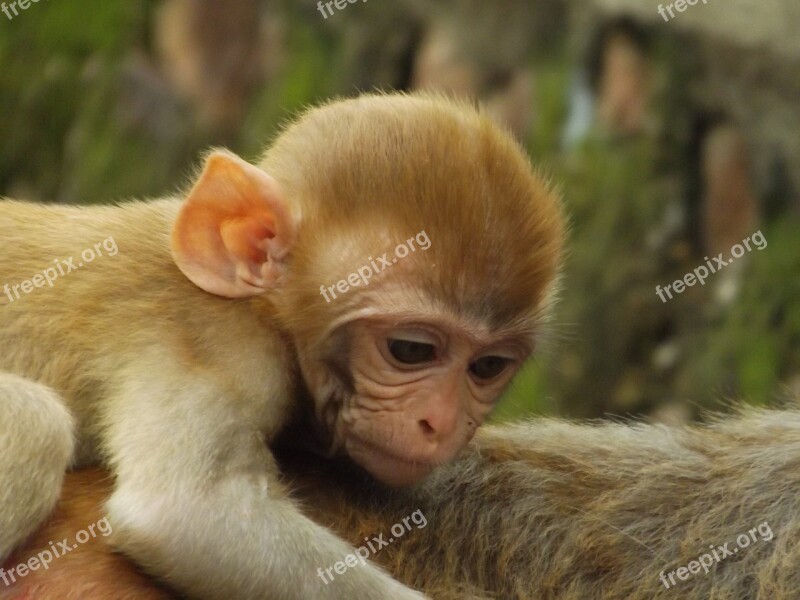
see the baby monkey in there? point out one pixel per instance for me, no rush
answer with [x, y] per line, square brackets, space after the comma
[178, 361]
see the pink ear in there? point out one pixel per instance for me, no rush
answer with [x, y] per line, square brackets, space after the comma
[234, 231]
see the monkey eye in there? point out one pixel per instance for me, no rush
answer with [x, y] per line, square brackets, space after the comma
[410, 352]
[489, 367]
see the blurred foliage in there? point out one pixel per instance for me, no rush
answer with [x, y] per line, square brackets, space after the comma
[44, 53]
[756, 342]
[85, 119]
[613, 346]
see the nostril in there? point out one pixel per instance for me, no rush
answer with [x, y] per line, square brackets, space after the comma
[426, 427]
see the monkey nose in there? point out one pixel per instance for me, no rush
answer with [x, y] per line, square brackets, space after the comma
[440, 420]
[427, 429]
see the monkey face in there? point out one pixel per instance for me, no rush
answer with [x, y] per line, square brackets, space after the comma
[412, 392]
[405, 355]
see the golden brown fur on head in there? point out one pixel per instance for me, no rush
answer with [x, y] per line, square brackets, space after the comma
[177, 350]
[480, 232]
[431, 162]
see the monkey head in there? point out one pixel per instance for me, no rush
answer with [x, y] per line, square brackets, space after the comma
[406, 247]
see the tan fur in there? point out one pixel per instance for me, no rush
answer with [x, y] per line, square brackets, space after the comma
[557, 510]
[510, 230]
[177, 390]
[36, 430]
[91, 571]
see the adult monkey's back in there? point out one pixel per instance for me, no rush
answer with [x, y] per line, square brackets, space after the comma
[546, 509]
[184, 352]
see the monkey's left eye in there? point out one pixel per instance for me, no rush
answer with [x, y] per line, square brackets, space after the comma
[410, 352]
[489, 367]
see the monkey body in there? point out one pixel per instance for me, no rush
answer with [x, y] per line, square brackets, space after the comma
[544, 509]
[79, 339]
[184, 334]
[86, 315]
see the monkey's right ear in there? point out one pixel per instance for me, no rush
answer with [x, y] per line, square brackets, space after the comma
[234, 230]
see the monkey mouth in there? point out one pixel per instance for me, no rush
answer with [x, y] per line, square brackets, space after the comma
[389, 468]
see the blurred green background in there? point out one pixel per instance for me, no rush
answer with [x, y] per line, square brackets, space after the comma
[666, 149]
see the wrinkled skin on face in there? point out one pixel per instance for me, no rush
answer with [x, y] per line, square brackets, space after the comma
[413, 391]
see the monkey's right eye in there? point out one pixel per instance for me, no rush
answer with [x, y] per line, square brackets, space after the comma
[410, 352]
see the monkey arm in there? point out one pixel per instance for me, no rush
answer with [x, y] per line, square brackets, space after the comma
[198, 502]
[93, 570]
